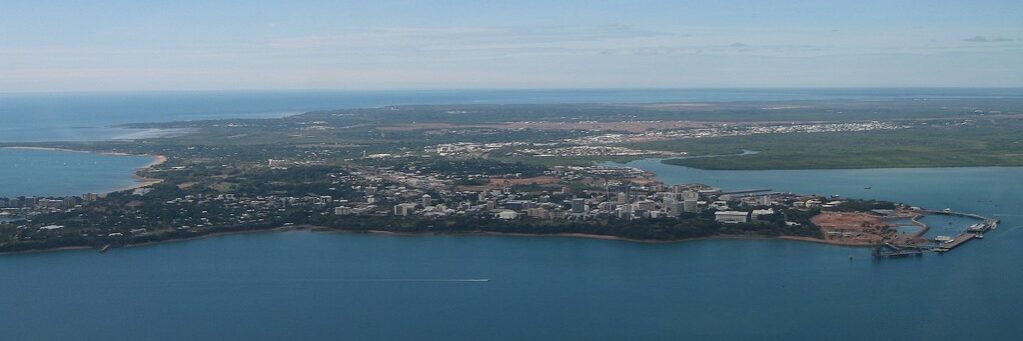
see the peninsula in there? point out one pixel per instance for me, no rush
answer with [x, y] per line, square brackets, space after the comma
[522, 169]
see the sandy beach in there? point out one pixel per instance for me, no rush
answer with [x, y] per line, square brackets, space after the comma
[144, 181]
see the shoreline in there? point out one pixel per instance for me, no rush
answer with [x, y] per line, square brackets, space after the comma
[142, 181]
[321, 229]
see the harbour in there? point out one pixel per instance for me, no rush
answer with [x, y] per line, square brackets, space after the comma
[940, 244]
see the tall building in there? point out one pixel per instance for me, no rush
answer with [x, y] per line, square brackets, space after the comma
[690, 201]
[673, 207]
[578, 205]
[427, 200]
[404, 209]
[646, 204]
[625, 211]
[623, 198]
[68, 202]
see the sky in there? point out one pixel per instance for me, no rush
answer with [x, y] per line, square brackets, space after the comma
[382, 44]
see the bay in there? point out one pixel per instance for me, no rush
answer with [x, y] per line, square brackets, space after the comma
[42, 173]
[304, 285]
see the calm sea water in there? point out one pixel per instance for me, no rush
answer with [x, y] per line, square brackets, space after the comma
[27, 172]
[90, 116]
[303, 285]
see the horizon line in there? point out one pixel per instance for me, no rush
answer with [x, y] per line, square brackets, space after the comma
[512, 89]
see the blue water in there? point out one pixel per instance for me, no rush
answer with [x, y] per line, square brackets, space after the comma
[91, 116]
[58, 173]
[304, 285]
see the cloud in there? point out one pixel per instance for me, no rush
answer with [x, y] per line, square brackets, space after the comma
[988, 39]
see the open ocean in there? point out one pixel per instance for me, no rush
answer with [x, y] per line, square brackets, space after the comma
[304, 285]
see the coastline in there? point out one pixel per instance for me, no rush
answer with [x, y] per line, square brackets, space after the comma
[322, 229]
[144, 181]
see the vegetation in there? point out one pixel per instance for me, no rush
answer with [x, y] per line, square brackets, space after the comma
[988, 143]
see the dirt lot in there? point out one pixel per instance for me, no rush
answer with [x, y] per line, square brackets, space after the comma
[851, 227]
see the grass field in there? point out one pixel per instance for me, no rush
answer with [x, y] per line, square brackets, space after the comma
[989, 144]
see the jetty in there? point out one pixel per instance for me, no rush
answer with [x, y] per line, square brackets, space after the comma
[889, 250]
[975, 231]
[955, 242]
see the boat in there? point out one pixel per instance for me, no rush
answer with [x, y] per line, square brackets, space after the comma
[979, 227]
[979, 236]
[868, 187]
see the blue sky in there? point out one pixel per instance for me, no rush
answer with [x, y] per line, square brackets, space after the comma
[217, 45]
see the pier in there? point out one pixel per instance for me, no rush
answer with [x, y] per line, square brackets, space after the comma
[958, 240]
[888, 250]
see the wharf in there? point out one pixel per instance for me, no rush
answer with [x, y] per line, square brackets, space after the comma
[959, 240]
[887, 250]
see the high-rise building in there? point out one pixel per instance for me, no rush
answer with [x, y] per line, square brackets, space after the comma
[404, 209]
[578, 205]
[68, 202]
[673, 207]
[623, 198]
[646, 204]
[427, 200]
[624, 212]
[690, 201]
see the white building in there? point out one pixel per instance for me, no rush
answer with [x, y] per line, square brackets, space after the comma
[731, 217]
[761, 213]
[507, 214]
[690, 201]
[404, 209]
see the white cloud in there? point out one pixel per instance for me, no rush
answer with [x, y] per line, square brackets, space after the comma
[987, 39]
